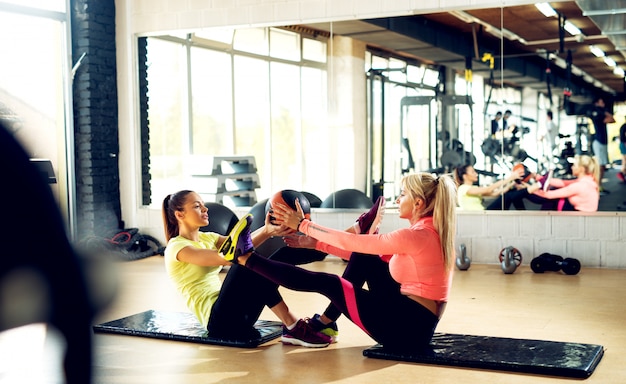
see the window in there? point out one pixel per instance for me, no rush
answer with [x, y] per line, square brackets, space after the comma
[250, 92]
[34, 87]
[212, 102]
[314, 50]
[167, 116]
[285, 45]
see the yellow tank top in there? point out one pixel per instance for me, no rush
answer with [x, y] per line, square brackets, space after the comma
[199, 285]
[469, 202]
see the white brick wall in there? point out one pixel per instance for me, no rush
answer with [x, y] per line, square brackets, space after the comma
[597, 240]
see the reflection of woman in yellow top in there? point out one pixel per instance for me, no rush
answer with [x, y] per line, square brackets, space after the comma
[470, 196]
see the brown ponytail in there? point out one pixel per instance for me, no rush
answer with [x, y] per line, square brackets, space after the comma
[171, 204]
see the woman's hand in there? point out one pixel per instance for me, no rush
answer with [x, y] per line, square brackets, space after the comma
[300, 241]
[284, 215]
[517, 173]
[276, 229]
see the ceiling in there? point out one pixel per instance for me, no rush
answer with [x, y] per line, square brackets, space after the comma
[531, 44]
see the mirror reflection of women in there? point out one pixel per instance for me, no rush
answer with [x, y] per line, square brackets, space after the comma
[506, 192]
[579, 194]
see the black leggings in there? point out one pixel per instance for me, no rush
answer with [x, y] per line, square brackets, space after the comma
[242, 297]
[297, 256]
[552, 204]
[392, 319]
[504, 201]
[244, 294]
[368, 269]
[360, 269]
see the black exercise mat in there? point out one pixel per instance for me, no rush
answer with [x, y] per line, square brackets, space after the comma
[182, 326]
[503, 354]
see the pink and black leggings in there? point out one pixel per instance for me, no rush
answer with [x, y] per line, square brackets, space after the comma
[393, 320]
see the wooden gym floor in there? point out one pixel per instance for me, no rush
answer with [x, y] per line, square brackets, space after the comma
[586, 308]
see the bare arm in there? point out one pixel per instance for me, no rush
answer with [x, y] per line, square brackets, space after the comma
[202, 257]
[498, 187]
[269, 230]
[211, 257]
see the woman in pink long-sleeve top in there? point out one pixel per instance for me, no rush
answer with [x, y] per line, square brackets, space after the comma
[420, 260]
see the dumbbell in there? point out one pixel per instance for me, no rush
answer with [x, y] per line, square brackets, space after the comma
[462, 260]
[555, 263]
[510, 258]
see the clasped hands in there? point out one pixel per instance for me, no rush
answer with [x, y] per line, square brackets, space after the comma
[289, 220]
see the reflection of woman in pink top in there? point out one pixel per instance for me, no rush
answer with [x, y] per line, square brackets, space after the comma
[579, 194]
[420, 261]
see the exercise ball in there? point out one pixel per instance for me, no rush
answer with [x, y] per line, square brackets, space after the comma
[258, 214]
[314, 201]
[288, 197]
[221, 219]
[347, 198]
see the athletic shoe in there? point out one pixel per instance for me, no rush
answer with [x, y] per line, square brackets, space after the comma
[304, 335]
[327, 329]
[620, 176]
[369, 222]
[239, 241]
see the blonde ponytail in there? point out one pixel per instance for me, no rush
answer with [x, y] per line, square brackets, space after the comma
[439, 196]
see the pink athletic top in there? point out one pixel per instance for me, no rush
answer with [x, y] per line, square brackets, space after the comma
[583, 192]
[416, 256]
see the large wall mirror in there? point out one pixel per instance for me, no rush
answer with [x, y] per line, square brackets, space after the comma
[357, 104]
